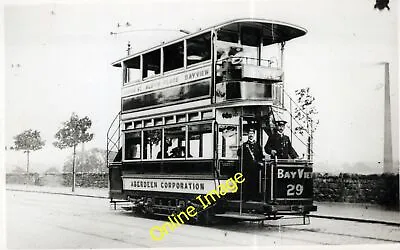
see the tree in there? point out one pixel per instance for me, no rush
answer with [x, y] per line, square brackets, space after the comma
[73, 132]
[305, 112]
[91, 161]
[29, 140]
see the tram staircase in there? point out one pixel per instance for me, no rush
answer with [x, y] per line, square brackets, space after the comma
[114, 153]
[300, 126]
[114, 149]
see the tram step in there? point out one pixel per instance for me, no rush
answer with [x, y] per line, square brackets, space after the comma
[249, 205]
[247, 216]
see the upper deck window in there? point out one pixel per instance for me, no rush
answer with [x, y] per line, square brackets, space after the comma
[228, 36]
[151, 63]
[250, 36]
[173, 56]
[198, 48]
[132, 70]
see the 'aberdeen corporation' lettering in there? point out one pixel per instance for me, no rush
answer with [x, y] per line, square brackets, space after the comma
[230, 186]
[168, 184]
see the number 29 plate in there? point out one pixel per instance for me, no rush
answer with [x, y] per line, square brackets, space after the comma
[293, 183]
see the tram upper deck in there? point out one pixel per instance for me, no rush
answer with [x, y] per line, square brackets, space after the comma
[239, 62]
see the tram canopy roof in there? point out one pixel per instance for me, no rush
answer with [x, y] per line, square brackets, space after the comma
[272, 32]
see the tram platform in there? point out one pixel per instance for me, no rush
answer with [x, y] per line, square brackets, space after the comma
[331, 210]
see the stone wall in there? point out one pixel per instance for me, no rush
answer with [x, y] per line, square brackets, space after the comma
[355, 188]
[97, 180]
[23, 178]
[379, 189]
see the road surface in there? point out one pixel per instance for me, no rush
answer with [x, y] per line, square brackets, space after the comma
[38, 220]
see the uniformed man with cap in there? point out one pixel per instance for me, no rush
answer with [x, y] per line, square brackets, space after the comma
[251, 155]
[279, 145]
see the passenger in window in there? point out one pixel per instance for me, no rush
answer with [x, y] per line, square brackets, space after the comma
[251, 155]
[279, 145]
[132, 152]
[167, 144]
[228, 69]
[178, 151]
[236, 55]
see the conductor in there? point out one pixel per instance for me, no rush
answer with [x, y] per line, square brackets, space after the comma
[279, 145]
[251, 156]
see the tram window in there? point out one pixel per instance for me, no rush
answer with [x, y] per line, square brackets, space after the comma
[175, 142]
[158, 121]
[169, 119]
[194, 116]
[206, 114]
[128, 125]
[148, 123]
[173, 56]
[138, 124]
[199, 48]
[152, 144]
[250, 36]
[151, 63]
[132, 145]
[228, 36]
[132, 70]
[181, 118]
[227, 141]
[271, 55]
[200, 141]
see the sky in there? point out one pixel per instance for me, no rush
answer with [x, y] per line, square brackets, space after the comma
[64, 52]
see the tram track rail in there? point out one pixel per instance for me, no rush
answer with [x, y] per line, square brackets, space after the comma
[328, 217]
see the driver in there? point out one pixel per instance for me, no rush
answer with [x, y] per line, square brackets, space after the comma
[279, 145]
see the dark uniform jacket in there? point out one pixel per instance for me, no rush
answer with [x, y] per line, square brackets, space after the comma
[282, 145]
[252, 152]
[252, 157]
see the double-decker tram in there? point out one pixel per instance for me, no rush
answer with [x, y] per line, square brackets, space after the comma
[189, 107]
